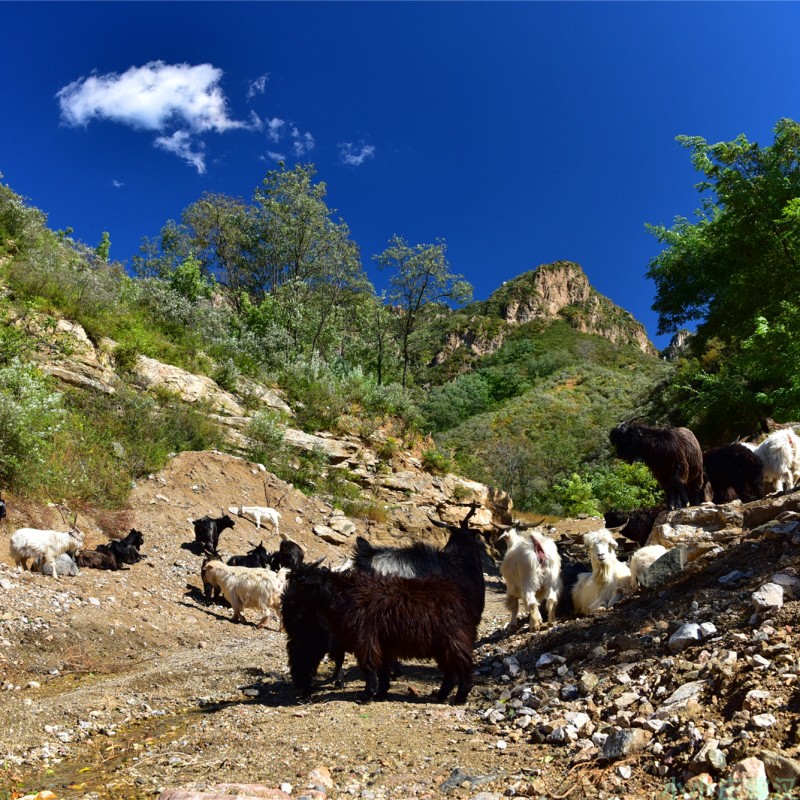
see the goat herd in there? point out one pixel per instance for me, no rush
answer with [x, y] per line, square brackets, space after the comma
[387, 604]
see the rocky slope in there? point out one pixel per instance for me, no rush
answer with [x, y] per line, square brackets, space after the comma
[559, 290]
[126, 684]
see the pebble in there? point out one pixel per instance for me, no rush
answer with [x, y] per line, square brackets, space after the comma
[768, 599]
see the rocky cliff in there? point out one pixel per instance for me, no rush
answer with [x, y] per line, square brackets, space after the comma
[551, 292]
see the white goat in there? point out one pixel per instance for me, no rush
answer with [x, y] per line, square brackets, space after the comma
[247, 587]
[43, 546]
[608, 579]
[258, 513]
[780, 455]
[531, 570]
[642, 559]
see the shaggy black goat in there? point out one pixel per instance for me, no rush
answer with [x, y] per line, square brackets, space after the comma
[734, 471]
[672, 454]
[258, 557]
[638, 523]
[309, 637]
[289, 555]
[381, 619]
[459, 560]
[207, 531]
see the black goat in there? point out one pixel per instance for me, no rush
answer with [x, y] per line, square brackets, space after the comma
[459, 560]
[638, 523]
[98, 559]
[207, 531]
[734, 471]
[3, 509]
[673, 456]
[123, 551]
[257, 557]
[289, 555]
[379, 618]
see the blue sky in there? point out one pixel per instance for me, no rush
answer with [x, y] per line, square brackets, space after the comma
[521, 133]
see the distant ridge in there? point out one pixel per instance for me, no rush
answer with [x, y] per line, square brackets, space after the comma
[559, 290]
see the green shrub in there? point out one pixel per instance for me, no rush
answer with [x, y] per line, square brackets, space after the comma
[436, 462]
[125, 358]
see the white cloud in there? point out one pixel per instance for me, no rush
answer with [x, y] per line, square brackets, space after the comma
[179, 101]
[274, 128]
[276, 156]
[152, 97]
[258, 86]
[117, 184]
[352, 155]
[302, 143]
[181, 144]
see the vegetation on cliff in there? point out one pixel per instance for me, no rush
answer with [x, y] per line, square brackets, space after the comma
[518, 390]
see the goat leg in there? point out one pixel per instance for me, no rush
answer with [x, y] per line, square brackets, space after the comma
[383, 682]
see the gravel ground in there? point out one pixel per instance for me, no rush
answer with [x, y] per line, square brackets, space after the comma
[121, 685]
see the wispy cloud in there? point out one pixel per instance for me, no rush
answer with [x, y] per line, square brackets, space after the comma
[274, 128]
[276, 156]
[117, 184]
[179, 101]
[181, 144]
[302, 143]
[258, 86]
[279, 130]
[355, 155]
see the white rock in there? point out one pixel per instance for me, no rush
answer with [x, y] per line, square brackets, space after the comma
[768, 599]
[764, 720]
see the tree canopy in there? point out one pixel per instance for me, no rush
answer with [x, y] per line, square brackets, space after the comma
[734, 271]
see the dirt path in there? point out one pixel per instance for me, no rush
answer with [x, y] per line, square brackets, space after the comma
[119, 685]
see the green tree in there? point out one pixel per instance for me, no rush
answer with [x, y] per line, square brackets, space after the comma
[104, 248]
[421, 276]
[740, 258]
[732, 271]
[188, 280]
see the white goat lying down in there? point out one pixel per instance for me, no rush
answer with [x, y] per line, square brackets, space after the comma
[642, 559]
[780, 455]
[247, 587]
[608, 580]
[531, 570]
[258, 513]
[43, 546]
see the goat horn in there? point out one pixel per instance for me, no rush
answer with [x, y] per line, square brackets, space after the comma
[619, 528]
[437, 522]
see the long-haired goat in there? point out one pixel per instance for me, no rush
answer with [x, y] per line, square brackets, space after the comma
[608, 580]
[672, 454]
[257, 514]
[733, 470]
[531, 569]
[381, 619]
[244, 587]
[780, 455]
[207, 531]
[44, 546]
[642, 560]
[635, 525]
[459, 560]
[309, 637]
